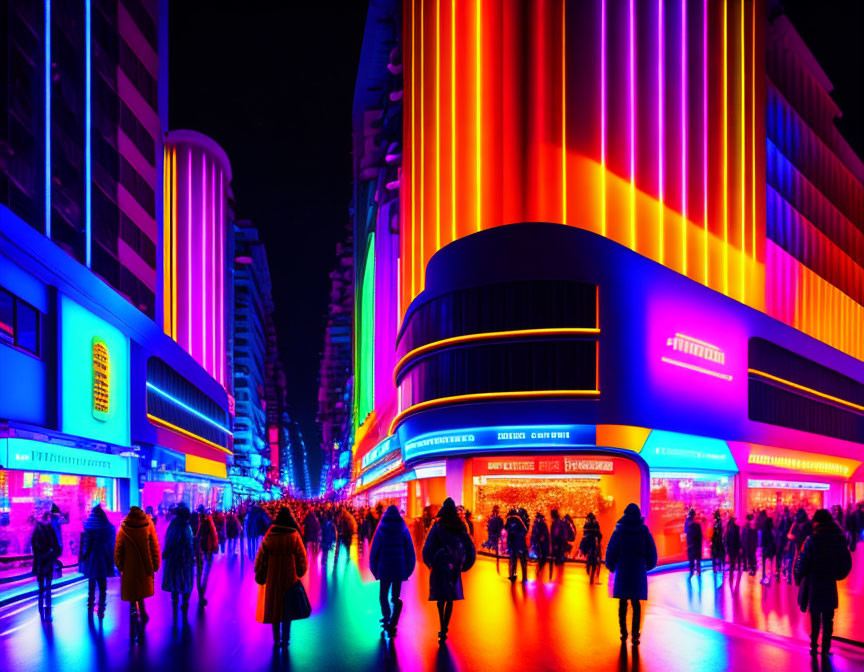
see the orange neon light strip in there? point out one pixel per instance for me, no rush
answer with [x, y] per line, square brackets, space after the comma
[808, 390]
[174, 246]
[488, 336]
[184, 432]
[478, 97]
[422, 147]
[726, 147]
[412, 240]
[563, 112]
[488, 396]
[438, 125]
[743, 158]
[753, 129]
[453, 118]
[698, 369]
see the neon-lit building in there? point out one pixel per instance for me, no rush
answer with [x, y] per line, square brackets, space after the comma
[605, 252]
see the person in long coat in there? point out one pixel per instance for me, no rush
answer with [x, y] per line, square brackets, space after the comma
[391, 561]
[494, 525]
[749, 543]
[311, 530]
[96, 561]
[206, 544]
[219, 524]
[281, 560]
[448, 551]
[540, 543]
[590, 546]
[232, 531]
[732, 541]
[517, 546]
[558, 538]
[46, 550]
[693, 533]
[178, 559]
[768, 544]
[718, 549]
[137, 556]
[630, 555]
[823, 561]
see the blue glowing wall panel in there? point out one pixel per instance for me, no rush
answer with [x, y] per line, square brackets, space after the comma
[80, 334]
[671, 450]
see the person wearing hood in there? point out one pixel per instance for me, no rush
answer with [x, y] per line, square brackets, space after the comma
[517, 547]
[749, 542]
[137, 556]
[693, 534]
[279, 564]
[718, 549]
[232, 531]
[219, 524]
[767, 542]
[823, 561]
[178, 558]
[590, 546]
[391, 561]
[732, 541]
[494, 525]
[206, 544]
[311, 530]
[448, 551]
[557, 538]
[96, 561]
[540, 543]
[46, 551]
[58, 519]
[630, 555]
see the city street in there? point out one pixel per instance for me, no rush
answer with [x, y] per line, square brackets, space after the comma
[563, 624]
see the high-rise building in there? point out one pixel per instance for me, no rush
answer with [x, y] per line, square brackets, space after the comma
[85, 100]
[606, 252]
[334, 398]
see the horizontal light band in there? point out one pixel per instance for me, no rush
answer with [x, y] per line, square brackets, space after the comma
[808, 390]
[539, 477]
[696, 340]
[488, 396]
[185, 407]
[698, 369]
[489, 336]
[184, 432]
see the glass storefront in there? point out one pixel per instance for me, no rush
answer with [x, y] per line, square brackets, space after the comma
[395, 494]
[773, 494]
[163, 494]
[673, 494]
[25, 495]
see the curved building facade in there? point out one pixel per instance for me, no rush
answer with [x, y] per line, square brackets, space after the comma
[618, 270]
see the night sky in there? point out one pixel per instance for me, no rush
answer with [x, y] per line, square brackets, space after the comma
[272, 83]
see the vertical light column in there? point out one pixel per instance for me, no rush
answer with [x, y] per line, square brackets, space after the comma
[631, 67]
[603, 127]
[661, 57]
[166, 242]
[705, 135]
[753, 128]
[88, 166]
[203, 257]
[726, 147]
[47, 73]
[743, 158]
[212, 294]
[175, 265]
[412, 241]
[452, 120]
[188, 315]
[684, 136]
[437, 125]
[478, 110]
[422, 231]
[564, 112]
[221, 280]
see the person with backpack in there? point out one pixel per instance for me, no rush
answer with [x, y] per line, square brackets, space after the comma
[96, 561]
[279, 564]
[448, 551]
[823, 561]
[137, 556]
[540, 543]
[630, 555]
[590, 546]
[46, 551]
[391, 561]
[178, 560]
[517, 547]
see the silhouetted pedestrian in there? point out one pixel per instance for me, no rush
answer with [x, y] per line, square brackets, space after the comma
[493, 530]
[631, 554]
[718, 549]
[391, 561]
[768, 544]
[232, 531]
[540, 543]
[448, 551]
[178, 558]
[206, 544]
[96, 561]
[824, 560]
[590, 546]
[517, 547]
[749, 543]
[46, 551]
[733, 544]
[137, 556]
[558, 538]
[693, 534]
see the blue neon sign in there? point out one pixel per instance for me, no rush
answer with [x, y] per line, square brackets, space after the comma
[671, 450]
[185, 407]
[380, 451]
[503, 438]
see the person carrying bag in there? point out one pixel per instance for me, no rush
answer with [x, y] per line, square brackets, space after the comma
[280, 563]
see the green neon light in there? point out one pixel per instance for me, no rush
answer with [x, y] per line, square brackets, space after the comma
[365, 365]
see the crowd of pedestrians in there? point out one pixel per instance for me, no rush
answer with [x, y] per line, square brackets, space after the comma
[815, 553]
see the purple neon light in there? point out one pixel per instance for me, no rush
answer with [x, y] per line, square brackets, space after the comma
[203, 289]
[603, 111]
[212, 288]
[189, 255]
[705, 130]
[221, 284]
[660, 138]
[632, 105]
[684, 136]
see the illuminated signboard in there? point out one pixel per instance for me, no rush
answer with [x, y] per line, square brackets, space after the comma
[378, 452]
[380, 472]
[539, 437]
[37, 456]
[101, 379]
[816, 464]
[565, 464]
[671, 450]
[696, 355]
[785, 485]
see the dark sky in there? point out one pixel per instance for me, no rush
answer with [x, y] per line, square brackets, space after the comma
[272, 82]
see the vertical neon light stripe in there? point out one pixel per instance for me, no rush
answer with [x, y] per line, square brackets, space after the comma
[660, 137]
[188, 315]
[88, 165]
[202, 292]
[705, 134]
[221, 279]
[479, 98]
[684, 136]
[412, 241]
[632, 113]
[437, 125]
[47, 118]
[603, 126]
[174, 263]
[753, 130]
[166, 243]
[726, 147]
[563, 111]
[211, 289]
[743, 158]
[453, 118]
[422, 265]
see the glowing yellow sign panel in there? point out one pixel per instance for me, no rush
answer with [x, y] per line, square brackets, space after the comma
[101, 379]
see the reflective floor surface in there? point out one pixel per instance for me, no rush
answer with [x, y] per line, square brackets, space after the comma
[698, 624]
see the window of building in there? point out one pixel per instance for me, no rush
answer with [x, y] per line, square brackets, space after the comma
[138, 187]
[136, 132]
[19, 323]
[134, 69]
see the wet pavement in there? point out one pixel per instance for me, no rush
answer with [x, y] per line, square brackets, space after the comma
[700, 624]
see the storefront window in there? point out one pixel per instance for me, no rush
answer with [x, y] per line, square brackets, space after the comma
[396, 494]
[162, 494]
[673, 494]
[771, 498]
[25, 495]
